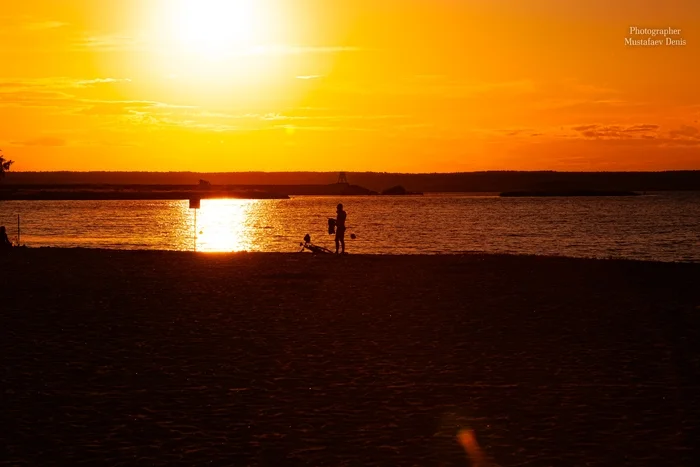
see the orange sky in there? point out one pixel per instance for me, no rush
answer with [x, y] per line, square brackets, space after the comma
[380, 85]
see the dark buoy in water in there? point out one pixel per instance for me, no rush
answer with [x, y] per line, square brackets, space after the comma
[353, 236]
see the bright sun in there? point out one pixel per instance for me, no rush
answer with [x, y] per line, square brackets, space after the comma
[216, 28]
[216, 51]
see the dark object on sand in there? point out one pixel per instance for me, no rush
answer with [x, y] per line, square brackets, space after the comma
[315, 249]
[399, 190]
[5, 243]
[331, 226]
[537, 193]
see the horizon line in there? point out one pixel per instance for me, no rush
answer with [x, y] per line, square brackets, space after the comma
[11, 173]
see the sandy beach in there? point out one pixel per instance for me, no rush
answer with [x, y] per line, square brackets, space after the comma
[165, 358]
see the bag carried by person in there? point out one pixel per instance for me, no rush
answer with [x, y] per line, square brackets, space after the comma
[331, 226]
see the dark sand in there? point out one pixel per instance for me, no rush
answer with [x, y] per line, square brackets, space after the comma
[154, 358]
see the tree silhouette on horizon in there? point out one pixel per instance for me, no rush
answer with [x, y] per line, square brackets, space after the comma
[4, 165]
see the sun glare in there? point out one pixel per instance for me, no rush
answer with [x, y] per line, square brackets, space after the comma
[216, 52]
[222, 225]
[215, 29]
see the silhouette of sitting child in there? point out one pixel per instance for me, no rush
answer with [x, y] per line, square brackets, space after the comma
[315, 249]
[5, 243]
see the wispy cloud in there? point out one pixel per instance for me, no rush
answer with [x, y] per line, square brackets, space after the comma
[34, 98]
[323, 128]
[591, 89]
[98, 107]
[58, 83]
[309, 77]
[516, 132]
[57, 92]
[159, 121]
[29, 23]
[686, 132]
[46, 141]
[93, 82]
[649, 134]
[76, 141]
[277, 116]
[297, 49]
[191, 118]
[569, 103]
[645, 131]
[110, 42]
[44, 25]
[436, 88]
[120, 42]
[69, 97]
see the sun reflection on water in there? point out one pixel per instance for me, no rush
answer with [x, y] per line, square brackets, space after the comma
[384, 225]
[223, 225]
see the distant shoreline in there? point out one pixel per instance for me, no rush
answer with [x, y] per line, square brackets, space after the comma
[136, 195]
[317, 183]
[98, 192]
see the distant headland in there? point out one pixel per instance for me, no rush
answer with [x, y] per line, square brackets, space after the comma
[366, 183]
[127, 192]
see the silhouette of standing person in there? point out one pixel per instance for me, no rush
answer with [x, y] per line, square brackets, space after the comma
[5, 243]
[340, 229]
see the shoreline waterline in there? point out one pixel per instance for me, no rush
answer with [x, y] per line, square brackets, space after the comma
[478, 255]
[660, 227]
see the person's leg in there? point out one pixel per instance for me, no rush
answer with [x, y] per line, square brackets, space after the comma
[337, 243]
[342, 243]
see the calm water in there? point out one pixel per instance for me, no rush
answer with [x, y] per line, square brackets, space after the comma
[663, 226]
